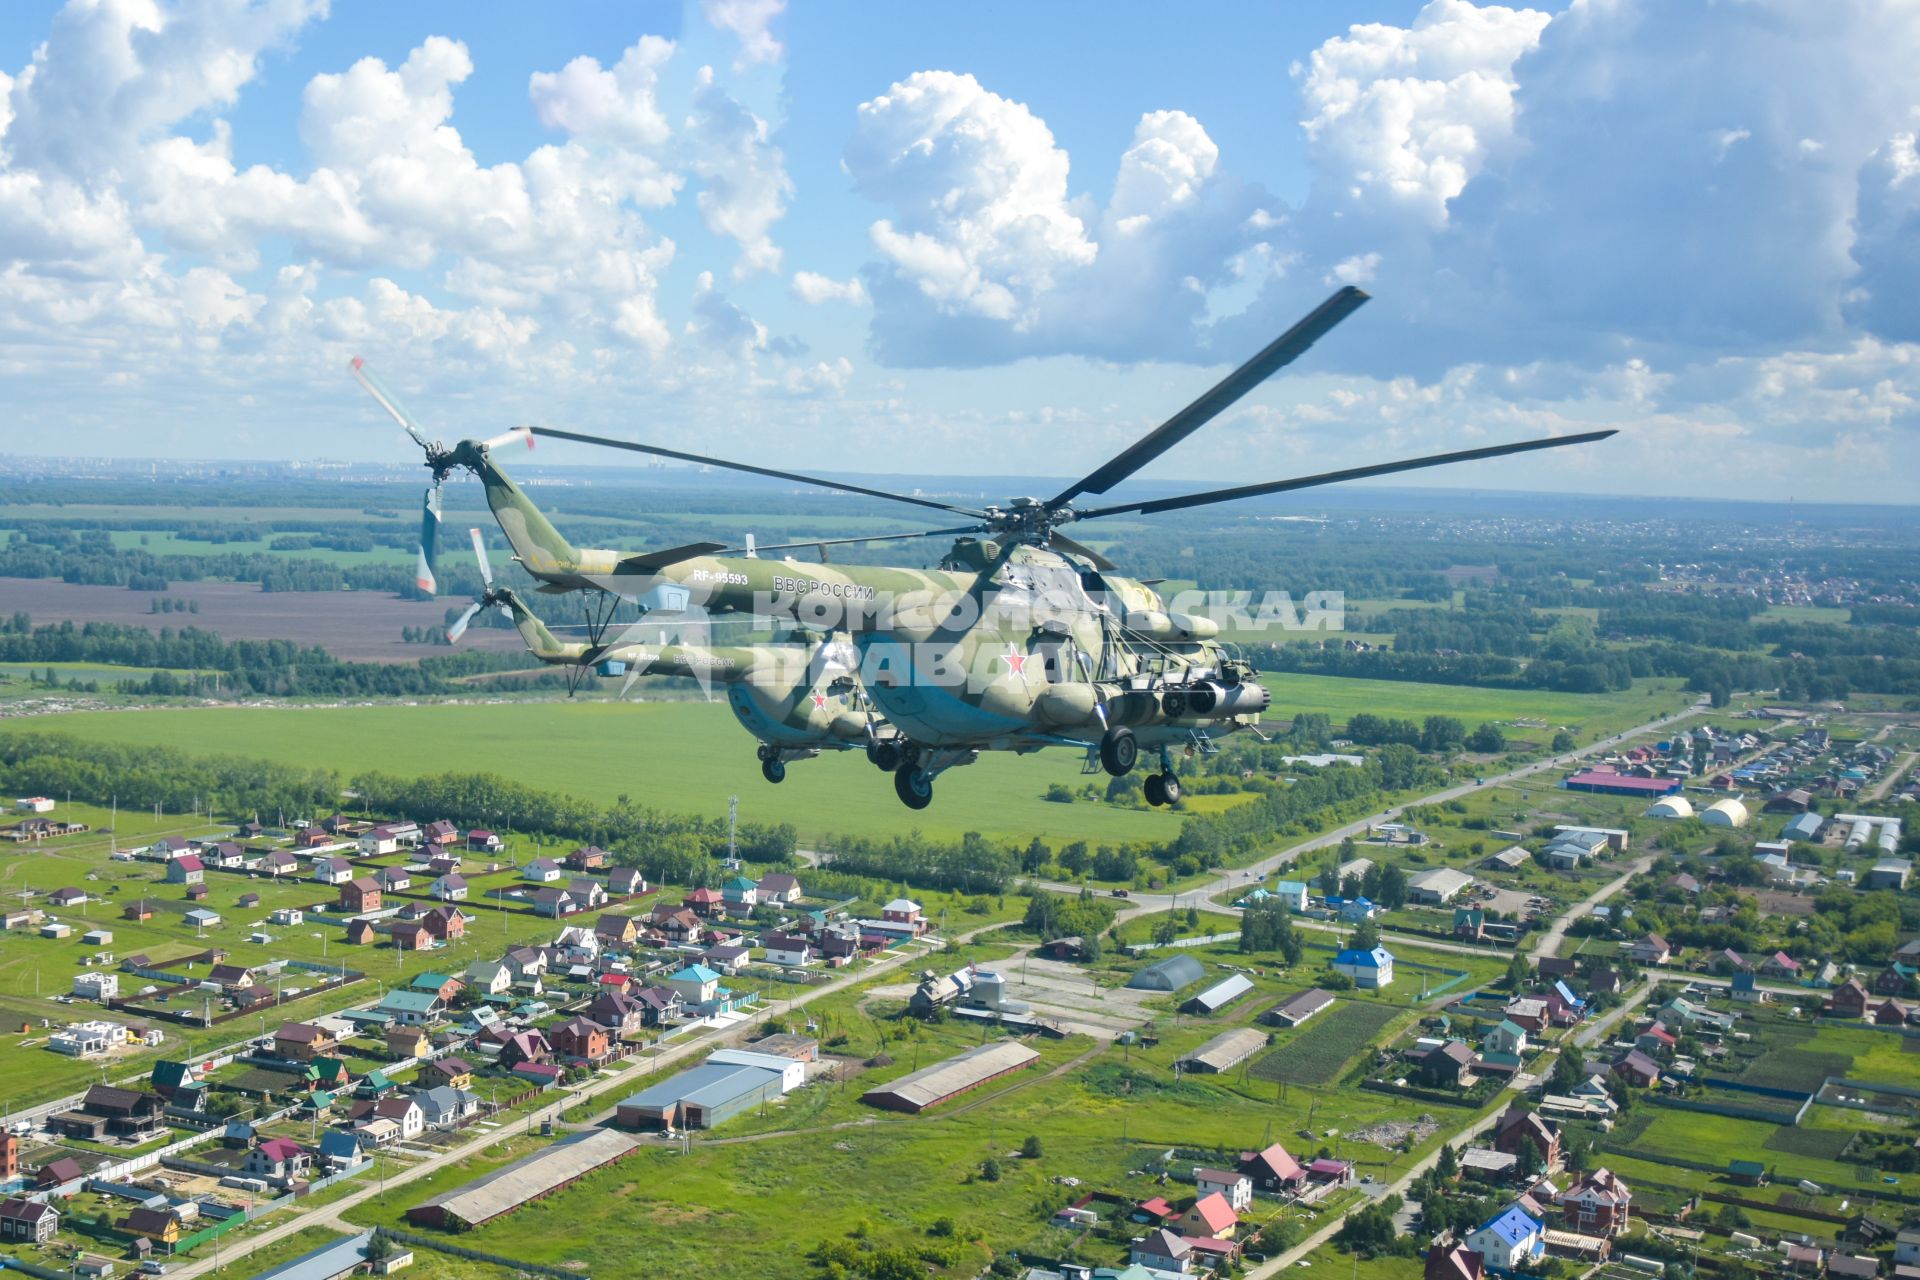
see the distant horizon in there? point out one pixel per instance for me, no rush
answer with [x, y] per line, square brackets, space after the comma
[932, 484]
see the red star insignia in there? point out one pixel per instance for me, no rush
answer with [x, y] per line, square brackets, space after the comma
[820, 701]
[1016, 661]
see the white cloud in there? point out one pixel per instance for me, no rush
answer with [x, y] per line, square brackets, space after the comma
[983, 225]
[747, 20]
[617, 104]
[113, 73]
[1405, 117]
[813, 288]
[745, 183]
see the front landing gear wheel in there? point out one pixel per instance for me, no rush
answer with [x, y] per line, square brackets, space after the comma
[1118, 751]
[914, 788]
[885, 756]
[1155, 788]
[1169, 787]
[773, 770]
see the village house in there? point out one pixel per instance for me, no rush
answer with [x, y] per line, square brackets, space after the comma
[1599, 1204]
[541, 871]
[360, 895]
[1651, 949]
[405, 1113]
[480, 840]
[332, 871]
[625, 882]
[779, 888]
[449, 887]
[302, 1041]
[186, 869]
[588, 857]
[279, 1159]
[581, 1039]
[1524, 1134]
[28, 1221]
[450, 1071]
[1272, 1169]
[790, 950]
[1211, 1217]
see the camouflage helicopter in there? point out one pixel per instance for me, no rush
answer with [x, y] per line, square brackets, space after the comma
[797, 696]
[1021, 638]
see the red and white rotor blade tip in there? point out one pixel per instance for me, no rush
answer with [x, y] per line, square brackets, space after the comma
[519, 436]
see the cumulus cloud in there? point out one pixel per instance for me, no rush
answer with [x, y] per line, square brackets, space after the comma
[988, 255]
[813, 288]
[745, 184]
[612, 104]
[1408, 116]
[749, 22]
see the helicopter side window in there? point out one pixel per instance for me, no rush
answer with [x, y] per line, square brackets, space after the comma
[1056, 658]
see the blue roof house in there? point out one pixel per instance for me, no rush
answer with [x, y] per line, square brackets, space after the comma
[1511, 1240]
[1370, 970]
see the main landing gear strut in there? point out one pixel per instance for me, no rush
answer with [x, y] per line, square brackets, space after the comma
[1120, 751]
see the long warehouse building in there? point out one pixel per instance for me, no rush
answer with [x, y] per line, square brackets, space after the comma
[933, 1085]
[525, 1180]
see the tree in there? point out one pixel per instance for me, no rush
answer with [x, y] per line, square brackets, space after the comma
[1519, 973]
[1569, 1069]
[1031, 1148]
[1563, 741]
[1392, 890]
[1448, 1162]
[1365, 937]
[1442, 735]
[990, 1170]
[1193, 917]
[1487, 739]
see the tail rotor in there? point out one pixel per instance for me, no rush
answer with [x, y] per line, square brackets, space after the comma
[440, 461]
[489, 598]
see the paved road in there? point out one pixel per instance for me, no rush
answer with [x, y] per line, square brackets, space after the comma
[1549, 943]
[1892, 775]
[1274, 862]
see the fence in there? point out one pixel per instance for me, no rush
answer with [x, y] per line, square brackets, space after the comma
[1731, 1110]
[439, 1245]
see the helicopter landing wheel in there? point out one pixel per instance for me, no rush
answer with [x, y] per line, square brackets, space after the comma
[773, 770]
[1155, 789]
[1169, 787]
[884, 756]
[914, 787]
[767, 752]
[1118, 751]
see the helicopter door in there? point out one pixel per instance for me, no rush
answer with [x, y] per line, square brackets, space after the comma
[1057, 652]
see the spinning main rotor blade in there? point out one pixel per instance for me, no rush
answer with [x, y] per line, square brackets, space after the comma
[659, 452]
[1336, 477]
[1280, 353]
[872, 537]
[388, 401]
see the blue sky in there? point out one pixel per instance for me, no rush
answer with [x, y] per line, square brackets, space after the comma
[975, 238]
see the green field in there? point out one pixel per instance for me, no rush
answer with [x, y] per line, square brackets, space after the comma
[689, 757]
[685, 757]
[1588, 715]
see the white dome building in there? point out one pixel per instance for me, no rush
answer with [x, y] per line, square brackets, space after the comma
[1724, 813]
[1675, 806]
